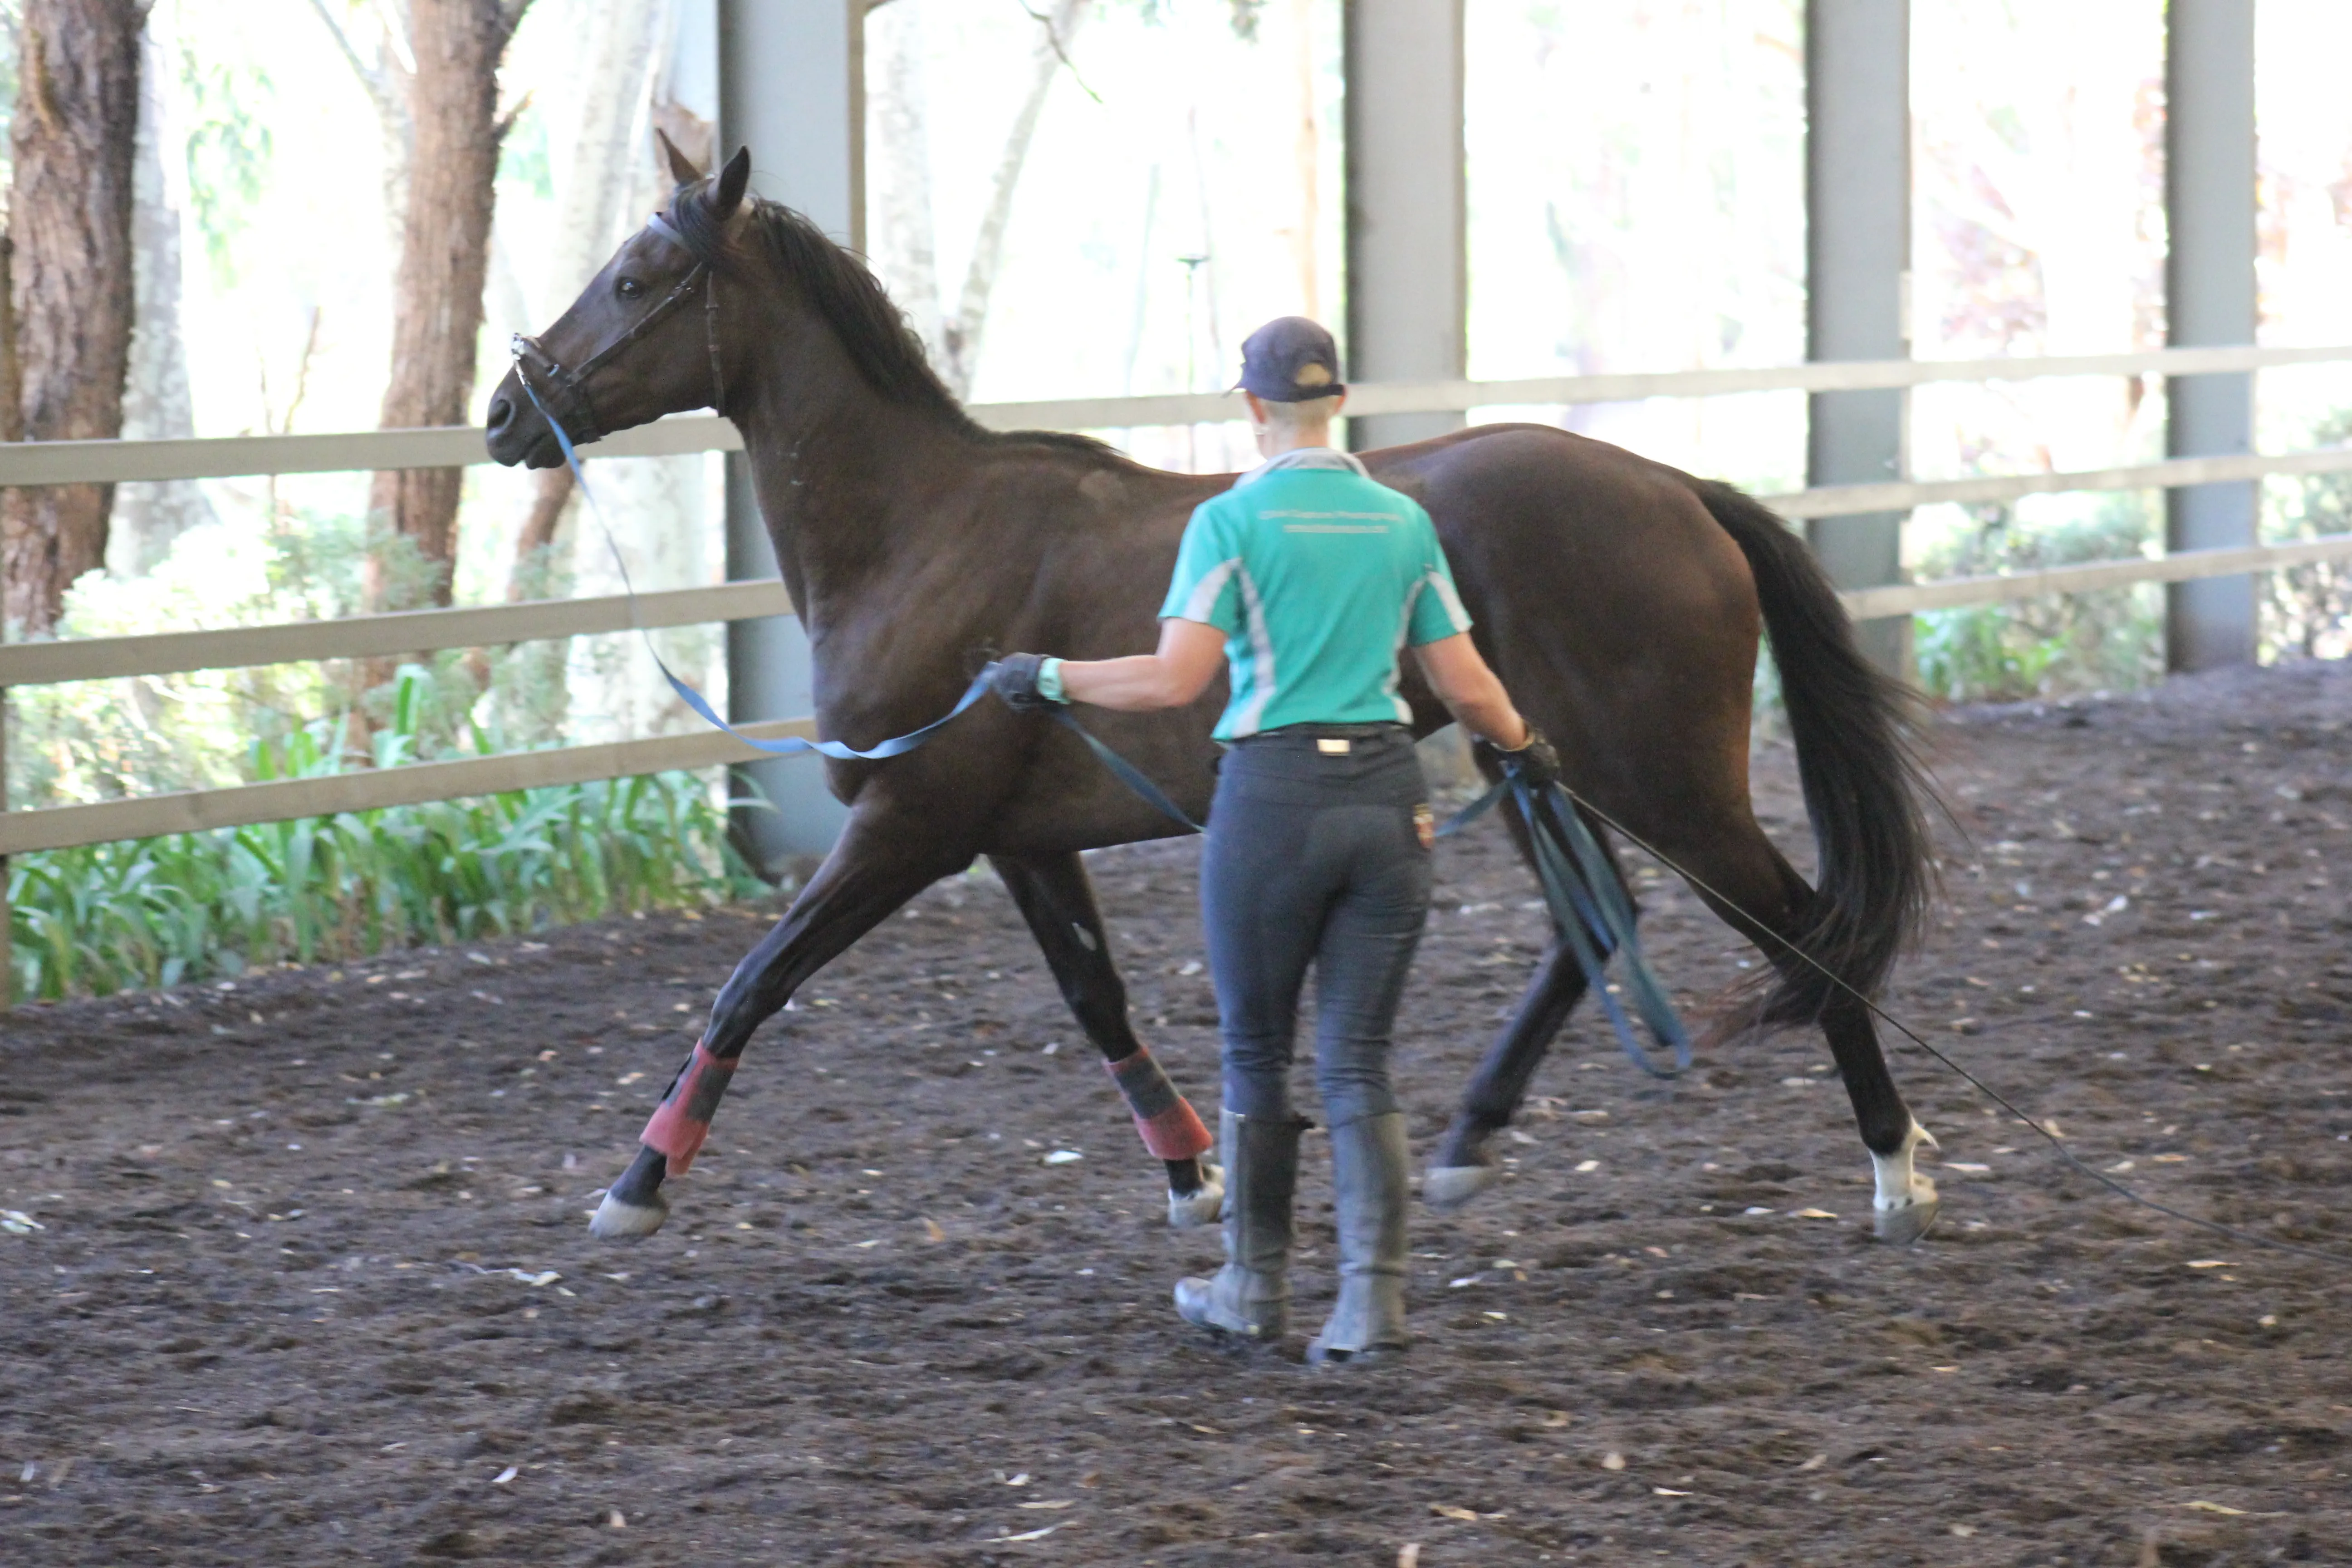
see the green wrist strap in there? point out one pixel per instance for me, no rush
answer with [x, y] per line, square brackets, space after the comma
[1049, 681]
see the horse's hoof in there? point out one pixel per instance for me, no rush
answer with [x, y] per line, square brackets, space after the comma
[617, 1221]
[1905, 1203]
[1902, 1226]
[1444, 1187]
[1204, 1204]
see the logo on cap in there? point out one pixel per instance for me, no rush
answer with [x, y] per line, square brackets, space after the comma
[1291, 359]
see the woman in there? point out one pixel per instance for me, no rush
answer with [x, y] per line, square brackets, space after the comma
[1307, 580]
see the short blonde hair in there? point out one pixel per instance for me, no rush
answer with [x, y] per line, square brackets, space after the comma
[1310, 411]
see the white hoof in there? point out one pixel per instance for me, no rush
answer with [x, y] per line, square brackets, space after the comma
[1203, 1206]
[1447, 1188]
[616, 1221]
[1902, 1226]
[1905, 1206]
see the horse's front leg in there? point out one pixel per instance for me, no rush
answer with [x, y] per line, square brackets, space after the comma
[1059, 902]
[880, 862]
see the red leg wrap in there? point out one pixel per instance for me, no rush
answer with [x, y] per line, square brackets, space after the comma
[1170, 1129]
[683, 1121]
[1175, 1133]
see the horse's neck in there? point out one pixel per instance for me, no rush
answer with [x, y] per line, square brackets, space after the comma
[833, 476]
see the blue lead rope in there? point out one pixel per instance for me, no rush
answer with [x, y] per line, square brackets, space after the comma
[1592, 913]
[1587, 905]
[1127, 772]
[791, 745]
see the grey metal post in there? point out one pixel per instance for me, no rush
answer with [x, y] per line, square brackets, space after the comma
[791, 89]
[1408, 259]
[1857, 270]
[2208, 197]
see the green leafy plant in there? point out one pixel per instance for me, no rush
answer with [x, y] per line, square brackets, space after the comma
[2110, 640]
[2306, 611]
[229, 149]
[161, 912]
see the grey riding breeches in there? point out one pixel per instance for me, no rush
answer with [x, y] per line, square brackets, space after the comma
[1315, 855]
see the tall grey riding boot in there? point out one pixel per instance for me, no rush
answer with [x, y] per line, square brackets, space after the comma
[1251, 1294]
[1368, 1181]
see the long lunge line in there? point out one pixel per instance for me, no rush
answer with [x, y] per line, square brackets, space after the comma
[1589, 910]
[1979, 1084]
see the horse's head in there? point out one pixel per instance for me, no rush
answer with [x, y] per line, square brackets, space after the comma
[642, 339]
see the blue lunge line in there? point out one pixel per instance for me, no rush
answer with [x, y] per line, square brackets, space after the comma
[1123, 770]
[1590, 910]
[791, 745]
[1587, 904]
[1127, 772]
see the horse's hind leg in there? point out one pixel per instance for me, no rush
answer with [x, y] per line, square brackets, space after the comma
[1462, 1167]
[1057, 899]
[1744, 876]
[875, 867]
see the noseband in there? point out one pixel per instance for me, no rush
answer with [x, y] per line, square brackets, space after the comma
[562, 394]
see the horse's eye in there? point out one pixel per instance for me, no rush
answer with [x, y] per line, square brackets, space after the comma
[630, 288]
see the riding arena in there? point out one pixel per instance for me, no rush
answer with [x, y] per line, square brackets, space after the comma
[375, 1255]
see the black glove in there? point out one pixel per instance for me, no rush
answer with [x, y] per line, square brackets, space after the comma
[1535, 763]
[1013, 677]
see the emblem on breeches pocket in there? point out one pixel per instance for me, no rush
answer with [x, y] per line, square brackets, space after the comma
[1424, 825]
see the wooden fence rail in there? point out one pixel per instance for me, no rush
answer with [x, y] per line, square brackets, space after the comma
[39, 463]
[234, 457]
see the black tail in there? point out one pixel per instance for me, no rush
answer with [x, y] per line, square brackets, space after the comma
[1864, 784]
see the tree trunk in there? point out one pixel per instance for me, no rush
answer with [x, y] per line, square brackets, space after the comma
[656, 506]
[900, 227]
[1306, 153]
[12, 375]
[962, 334]
[599, 177]
[443, 261]
[156, 404]
[387, 79]
[74, 141]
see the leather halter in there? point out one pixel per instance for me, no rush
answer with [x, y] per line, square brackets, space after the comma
[563, 394]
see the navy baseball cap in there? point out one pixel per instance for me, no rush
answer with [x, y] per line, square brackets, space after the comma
[1291, 359]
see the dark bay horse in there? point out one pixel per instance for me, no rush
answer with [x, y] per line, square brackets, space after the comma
[1620, 601]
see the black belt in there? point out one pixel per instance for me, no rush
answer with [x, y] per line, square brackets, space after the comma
[1299, 732]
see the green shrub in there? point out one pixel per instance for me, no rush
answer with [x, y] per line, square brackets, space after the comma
[159, 911]
[2044, 647]
[2306, 611]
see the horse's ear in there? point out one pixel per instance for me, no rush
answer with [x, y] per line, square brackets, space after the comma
[681, 167]
[733, 180]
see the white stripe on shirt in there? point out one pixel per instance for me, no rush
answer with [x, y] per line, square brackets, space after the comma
[1396, 658]
[1202, 605]
[1452, 600]
[1245, 722]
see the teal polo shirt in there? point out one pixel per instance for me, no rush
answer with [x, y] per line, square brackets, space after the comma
[1319, 577]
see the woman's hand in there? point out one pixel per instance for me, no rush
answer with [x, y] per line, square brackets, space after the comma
[1017, 679]
[1534, 763]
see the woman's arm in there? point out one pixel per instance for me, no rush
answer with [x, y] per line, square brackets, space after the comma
[1458, 674]
[1189, 657]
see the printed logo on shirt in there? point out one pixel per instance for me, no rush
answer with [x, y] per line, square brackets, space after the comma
[1381, 518]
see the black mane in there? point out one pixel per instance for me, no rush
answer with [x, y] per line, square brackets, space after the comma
[885, 350]
[881, 344]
